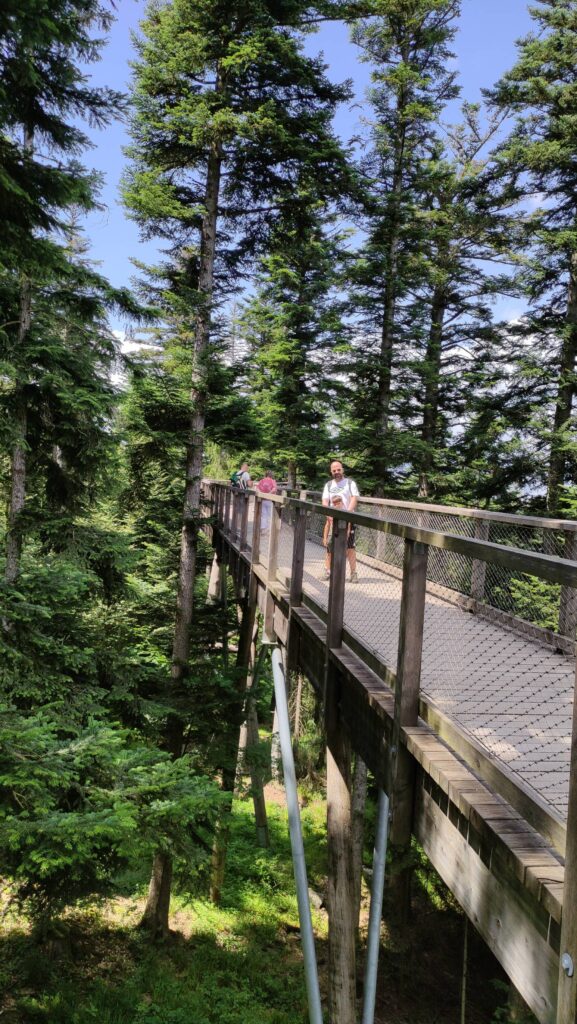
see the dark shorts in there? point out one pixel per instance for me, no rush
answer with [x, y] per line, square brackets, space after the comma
[350, 540]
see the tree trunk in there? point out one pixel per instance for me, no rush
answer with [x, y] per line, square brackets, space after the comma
[291, 474]
[157, 900]
[155, 917]
[359, 801]
[342, 960]
[565, 395]
[17, 493]
[298, 707]
[390, 294]
[432, 373]
[231, 747]
[18, 456]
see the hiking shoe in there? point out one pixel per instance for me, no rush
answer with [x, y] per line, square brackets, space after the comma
[354, 577]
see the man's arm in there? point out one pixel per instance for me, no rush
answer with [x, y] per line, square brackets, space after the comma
[354, 497]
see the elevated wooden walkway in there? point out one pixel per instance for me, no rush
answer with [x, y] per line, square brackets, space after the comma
[460, 707]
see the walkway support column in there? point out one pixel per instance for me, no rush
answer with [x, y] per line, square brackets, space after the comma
[296, 583]
[340, 892]
[275, 527]
[567, 991]
[307, 937]
[407, 687]
[568, 596]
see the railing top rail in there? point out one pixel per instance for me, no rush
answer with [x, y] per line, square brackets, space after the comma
[537, 522]
[546, 567]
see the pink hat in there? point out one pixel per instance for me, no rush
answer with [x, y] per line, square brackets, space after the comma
[267, 484]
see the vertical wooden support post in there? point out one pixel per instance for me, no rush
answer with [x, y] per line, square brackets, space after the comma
[337, 585]
[275, 527]
[340, 892]
[568, 596]
[216, 509]
[296, 583]
[567, 991]
[479, 568]
[236, 500]
[226, 518]
[406, 713]
[244, 520]
[255, 547]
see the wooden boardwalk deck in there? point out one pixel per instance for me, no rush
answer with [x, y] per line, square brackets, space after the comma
[511, 693]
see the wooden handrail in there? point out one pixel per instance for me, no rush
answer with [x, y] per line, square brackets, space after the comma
[536, 522]
[546, 567]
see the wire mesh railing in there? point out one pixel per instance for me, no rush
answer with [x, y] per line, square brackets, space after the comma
[503, 674]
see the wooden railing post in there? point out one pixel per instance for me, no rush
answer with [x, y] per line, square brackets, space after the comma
[226, 519]
[255, 547]
[479, 568]
[216, 509]
[567, 990]
[337, 585]
[407, 687]
[236, 500]
[340, 888]
[244, 520]
[296, 582]
[568, 595]
[275, 527]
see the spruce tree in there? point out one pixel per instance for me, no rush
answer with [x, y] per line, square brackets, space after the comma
[295, 332]
[227, 109]
[43, 92]
[540, 92]
[408, 43]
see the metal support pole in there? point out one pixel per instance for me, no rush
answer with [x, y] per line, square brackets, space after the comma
[300, 870]
[375, 913]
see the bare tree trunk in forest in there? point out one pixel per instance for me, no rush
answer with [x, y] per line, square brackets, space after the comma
[18, 457]
[298, 707]
[292, 474]
[359, 800]
[155, 917]
[231, 747]
[565, 394]
[431, 391]
[191, 512]
[385, 365]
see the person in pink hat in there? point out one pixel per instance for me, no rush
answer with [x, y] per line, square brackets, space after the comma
[268, 486]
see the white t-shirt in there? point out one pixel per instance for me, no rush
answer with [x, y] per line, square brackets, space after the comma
[346, 488]
[244, 479]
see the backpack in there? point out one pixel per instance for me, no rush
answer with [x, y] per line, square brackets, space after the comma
[236, 479]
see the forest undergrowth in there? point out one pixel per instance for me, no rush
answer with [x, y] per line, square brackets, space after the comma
[240, 962]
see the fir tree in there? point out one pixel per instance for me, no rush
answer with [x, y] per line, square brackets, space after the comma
[540, 91]
[408, 44]
[295, 332]
[227, 110]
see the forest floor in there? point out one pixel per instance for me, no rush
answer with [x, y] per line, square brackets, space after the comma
[240, 963]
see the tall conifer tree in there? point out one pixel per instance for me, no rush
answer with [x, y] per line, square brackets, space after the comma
[408, 44]
[539, 155]
[227, 110]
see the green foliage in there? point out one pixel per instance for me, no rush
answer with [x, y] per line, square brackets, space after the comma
[81, 803]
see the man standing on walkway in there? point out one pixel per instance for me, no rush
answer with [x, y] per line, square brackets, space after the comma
[342, 485]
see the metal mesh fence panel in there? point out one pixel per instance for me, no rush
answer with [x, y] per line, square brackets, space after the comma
[285, 544]
[509, 691]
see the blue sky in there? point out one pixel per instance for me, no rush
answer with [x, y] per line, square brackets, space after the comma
[484, 47]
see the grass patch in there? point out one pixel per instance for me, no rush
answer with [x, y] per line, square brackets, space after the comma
[241, 962]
